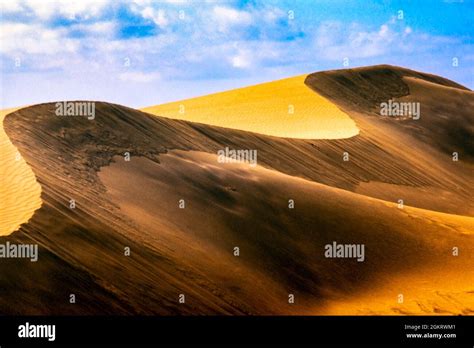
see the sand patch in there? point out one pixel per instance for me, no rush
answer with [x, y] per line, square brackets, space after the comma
[427, 197]
[283, 108]
[20, 193]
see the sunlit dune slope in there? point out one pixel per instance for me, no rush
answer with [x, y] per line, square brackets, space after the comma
[19, 191]
[283, 108]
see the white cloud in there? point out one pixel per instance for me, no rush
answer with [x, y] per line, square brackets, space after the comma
[8, 6]
[70, 9]
[226, 18]
[136, 76]
[178, 1]
[154, 11]
[106, 29]
[18, 38]
[384, 30]
[242, 60]
[156, 15]
[335, 41]
[270, 15]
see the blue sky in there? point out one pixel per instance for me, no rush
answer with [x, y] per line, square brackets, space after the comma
[141, 53]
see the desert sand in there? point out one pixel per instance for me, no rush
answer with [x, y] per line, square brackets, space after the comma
[283, 108]
[134, 205]
[19, 191]
[281, 247]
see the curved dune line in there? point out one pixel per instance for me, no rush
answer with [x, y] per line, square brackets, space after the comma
[284, 108]
[20, 193]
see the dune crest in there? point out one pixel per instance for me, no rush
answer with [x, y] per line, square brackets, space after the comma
[20, 193]
[284, 108]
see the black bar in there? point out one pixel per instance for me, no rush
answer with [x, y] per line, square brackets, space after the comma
[292, 330]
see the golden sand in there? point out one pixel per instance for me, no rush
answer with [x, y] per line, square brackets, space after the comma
[283, 108]
[440, 287]
[20, 193]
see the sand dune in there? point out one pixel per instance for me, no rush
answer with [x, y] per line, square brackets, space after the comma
[282, 249]
[445, 126]
[19, 191]
[283, 108]
[134, 204]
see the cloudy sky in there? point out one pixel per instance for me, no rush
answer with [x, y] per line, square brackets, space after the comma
[141, 53]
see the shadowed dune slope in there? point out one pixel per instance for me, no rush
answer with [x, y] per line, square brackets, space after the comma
[189, 251]
[281, 250]
[446, 126]
[446, 122]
